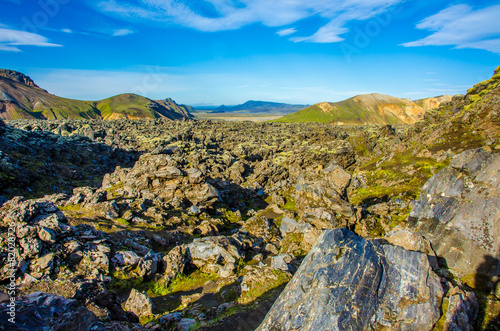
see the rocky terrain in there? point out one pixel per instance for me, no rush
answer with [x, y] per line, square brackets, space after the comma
[204, 225]
[21, 98]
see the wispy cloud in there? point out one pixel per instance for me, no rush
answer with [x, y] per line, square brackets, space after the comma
[11, 40]
[286, 32]
[219, 15]
[98, 32]
[463, 27]
[122, 32]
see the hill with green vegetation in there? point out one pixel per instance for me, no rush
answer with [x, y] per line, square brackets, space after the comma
[363, 109]
[21, 98]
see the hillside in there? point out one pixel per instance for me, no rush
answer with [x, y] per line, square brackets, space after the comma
[365, 109]
[133, 106]
[261, 107]
[432, 103]
[21, 98]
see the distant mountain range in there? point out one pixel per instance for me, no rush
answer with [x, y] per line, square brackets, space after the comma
[21, 98]
[366, 109]
[257, 107]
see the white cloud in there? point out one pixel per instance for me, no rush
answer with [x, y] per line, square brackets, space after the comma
[218, 15]
[122, 32]
[67, 30]
[10, 40]
[463, 27]
[286, 32]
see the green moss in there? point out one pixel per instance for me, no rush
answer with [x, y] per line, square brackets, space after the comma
[77, 207]
[122, 221]
[390, 179]
[122, 281]
[260, 289]
[489, 312]
[439, 326]
[188, 282]
[113, 189]
[290, 204]
[292, 244]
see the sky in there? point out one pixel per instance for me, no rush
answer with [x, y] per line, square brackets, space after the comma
[213, 52]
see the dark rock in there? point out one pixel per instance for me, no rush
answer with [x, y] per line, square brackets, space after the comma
[462, 310]
[110, 301]
[175, 262]
[2, 127]
[455, 212]
[43, 311]
[347, 282]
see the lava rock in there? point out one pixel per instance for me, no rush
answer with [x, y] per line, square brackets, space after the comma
[42, 311]
[396, 288]
[139, 303]
[458, 212]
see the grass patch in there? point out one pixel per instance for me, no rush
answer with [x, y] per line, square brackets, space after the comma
[489, 312]
[290, 204]
[292, 244]
[75, 208]
[260, 289]
[186, 282]
[391, 178]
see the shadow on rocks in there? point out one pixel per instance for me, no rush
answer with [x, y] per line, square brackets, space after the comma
[249, 316]
[36, 163]
[488, 290]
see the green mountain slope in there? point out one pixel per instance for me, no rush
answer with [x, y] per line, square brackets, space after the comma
[21, 98]
[134, 106]
[362, 109]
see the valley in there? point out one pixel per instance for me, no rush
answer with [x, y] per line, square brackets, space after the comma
[159, 219]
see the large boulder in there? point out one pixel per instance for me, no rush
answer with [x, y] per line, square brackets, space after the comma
[214, 254]
[459, 212]
[174, 262]
[139, 303]
[322, 201]
[347, 282]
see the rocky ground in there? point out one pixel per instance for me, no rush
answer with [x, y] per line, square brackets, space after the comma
[155, 224]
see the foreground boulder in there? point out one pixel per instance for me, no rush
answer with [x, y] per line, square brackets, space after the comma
[459, 212]
[43, 311]
[347, 282]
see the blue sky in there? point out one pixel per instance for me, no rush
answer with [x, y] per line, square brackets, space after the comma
[231, 51]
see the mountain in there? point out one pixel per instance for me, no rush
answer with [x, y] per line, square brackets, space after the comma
[134, 106]
[366, 109]
[261, 107]
[21, 98]
[432, 103]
